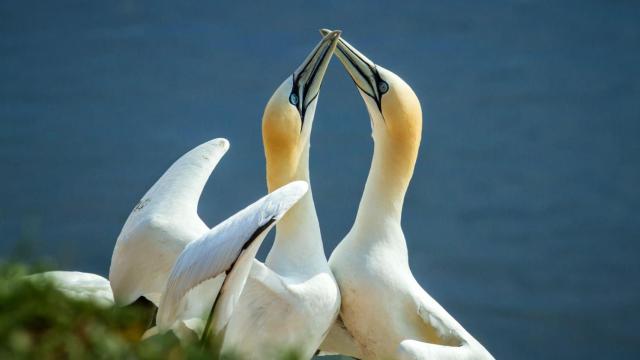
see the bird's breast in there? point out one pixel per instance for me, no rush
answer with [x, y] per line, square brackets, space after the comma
[374, 295]
[294, 317]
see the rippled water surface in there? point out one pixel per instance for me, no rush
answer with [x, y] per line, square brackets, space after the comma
[523, 218]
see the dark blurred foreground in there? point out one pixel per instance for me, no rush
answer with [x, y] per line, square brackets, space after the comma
[39, 322]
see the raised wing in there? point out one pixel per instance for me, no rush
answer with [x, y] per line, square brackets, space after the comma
[161, 224]
[179, 189]
[226, 249]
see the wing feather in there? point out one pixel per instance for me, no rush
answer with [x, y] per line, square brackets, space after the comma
[79, 285]
[218, 250]
[179, 189]
[161, 224]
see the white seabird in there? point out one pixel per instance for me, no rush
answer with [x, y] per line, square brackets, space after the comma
[385, 313]
[223, 255]
[167, 254]
[290, 301]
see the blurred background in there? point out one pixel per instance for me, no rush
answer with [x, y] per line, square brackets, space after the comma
[523, 217]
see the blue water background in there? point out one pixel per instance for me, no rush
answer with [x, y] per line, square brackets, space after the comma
[523, 217]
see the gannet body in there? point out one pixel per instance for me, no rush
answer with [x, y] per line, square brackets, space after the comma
[167, 254]
[385, 313]
[223, 255]
[79, 285]
[290, 301]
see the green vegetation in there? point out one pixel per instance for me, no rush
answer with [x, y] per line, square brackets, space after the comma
[39, 322]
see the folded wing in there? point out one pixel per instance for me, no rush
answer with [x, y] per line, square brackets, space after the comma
[226, 250]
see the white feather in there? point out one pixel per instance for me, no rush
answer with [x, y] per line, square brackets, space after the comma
[385, 313]
[79, 285]
[227, 249]
[161, 225]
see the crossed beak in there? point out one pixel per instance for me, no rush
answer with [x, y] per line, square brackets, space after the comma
[308, 77]
[362, 70]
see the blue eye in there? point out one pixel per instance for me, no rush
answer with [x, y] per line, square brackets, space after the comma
[293, 99]
[383, 87]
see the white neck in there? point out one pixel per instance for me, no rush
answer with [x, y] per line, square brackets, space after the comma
[380, 211]
[380, 204]
[297, 248]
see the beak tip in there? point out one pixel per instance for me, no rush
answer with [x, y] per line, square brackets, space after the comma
[325, 32]
[334, 35]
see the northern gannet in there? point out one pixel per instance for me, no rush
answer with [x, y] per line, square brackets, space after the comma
[167, 254]
[224, 255]
[290, 301]
[385, 313]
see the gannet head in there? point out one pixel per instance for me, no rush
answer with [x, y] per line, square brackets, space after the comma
[393, 106]
[394, 109]
[288, 116]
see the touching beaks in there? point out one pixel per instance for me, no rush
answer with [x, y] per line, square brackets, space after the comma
[308, 77]
[362, 70]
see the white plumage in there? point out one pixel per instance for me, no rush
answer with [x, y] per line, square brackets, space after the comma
[161, 225]
[207, 281]
[385, 313]
[289, 301]
[224, 253]
[167, 254]
[79, 285]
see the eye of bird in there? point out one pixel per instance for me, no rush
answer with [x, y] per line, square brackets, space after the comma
[293, 99]
[383, 87]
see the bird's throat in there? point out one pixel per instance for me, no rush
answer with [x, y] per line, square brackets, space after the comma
[389, 177]
[298, 244]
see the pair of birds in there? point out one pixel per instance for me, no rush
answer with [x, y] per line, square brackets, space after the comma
[364, 302]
